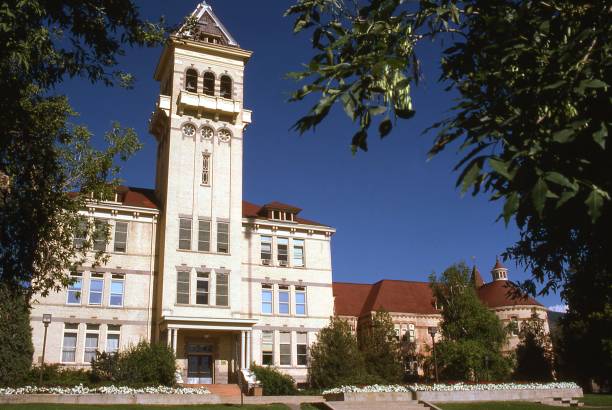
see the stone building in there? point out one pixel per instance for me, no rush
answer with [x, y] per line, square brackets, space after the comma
[222, 281]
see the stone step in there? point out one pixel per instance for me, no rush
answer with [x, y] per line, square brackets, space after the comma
[376, 405]
[223, 390]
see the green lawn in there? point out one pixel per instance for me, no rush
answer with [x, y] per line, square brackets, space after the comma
[597, 400]
[519, 405]
[131, 407]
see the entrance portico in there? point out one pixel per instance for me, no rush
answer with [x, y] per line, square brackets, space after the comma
[208, 350]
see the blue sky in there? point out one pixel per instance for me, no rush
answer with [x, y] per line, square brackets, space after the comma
[397, 215]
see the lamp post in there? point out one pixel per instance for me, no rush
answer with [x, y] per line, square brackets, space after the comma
[432, 331]
[46, 320]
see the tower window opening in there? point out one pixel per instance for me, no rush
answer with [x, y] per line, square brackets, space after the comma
[226, 87]
[191, 80]
[209, 83]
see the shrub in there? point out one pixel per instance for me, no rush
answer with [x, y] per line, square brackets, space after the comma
[380, 348]
[142, 364]
[54, 375]
[274, 383]
[15, 337]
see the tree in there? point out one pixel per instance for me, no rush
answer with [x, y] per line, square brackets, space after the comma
[412, 359]
[42, 155]
[380, 347]
[335, 358]
[534, 360]
[15, 337]
[472, 335]
[532, 118]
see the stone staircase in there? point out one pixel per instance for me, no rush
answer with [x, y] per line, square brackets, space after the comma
[377, 405]
[221, 390]
[561, 402]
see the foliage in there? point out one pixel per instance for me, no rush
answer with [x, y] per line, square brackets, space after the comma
[42, 155]
[380, 348]
[534, 360]
[142, 364]
[335, 358]
[411, 359]
[56, 376]
[472, 335]
[274, 382]
[531, 119]
[15, 337]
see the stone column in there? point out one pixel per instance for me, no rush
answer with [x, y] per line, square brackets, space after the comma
[174, 340]
[169, 337]
[249, 359]
[242, 349]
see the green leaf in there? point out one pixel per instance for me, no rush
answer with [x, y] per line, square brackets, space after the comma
[360, 141]
[593, 84]
[594, 202]
[501, 167]
[564, 136]
[510, 207]
[538, 195]
[385, 127]
[470, 174]
[557, 178]
[405, 114]
[601, 135]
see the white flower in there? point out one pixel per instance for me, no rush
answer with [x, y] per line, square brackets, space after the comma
[80, 389]
[491, 386]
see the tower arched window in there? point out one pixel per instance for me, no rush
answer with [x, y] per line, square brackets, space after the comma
[209, 83]
[226, 87]
[191, 80]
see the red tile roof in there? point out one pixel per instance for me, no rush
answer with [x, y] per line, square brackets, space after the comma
[399, 296]
[280, 206]
[251, 210]
[476, 278]
[138, 197]
[498, 264]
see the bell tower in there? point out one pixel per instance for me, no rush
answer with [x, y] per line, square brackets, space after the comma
[499, 271]
[198, 124]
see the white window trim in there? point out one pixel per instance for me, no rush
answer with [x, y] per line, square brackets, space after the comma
[305, 301]
[271, 290]
[288, 290]
[110, 291]
[79, 276]
[113, 332]
[87, 331]
[76, 343]
[89, 292]
[127, 233]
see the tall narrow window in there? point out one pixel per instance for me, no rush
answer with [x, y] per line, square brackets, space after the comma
[222, 237]
[302, 348]
[100, 235]
[117, 289]
[96, 288]
[209, 83]
[113, 334]
[182, 287]
[91, 343]
[300, 300]
[285, 348]
[226, 87]
[191, 80]
[206, 168]
[80, 234]
[75, 288]
[70, 342]
[202, 288]
[411, 332]
[298, 252]
[203, 235]
[282, 245]
[266, 299]
[185, 233]
[121, 230]
[266, 250]
[283, 300]
[222, 289]
[267, 348]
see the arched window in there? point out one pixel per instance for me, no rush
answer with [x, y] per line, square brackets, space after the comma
[209, 83]
[226, 87]
[191, 80]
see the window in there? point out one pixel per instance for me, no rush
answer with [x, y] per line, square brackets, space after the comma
[185, 233]
[282, 245]
[396, 329]
[298, 252]
[70, 342]
[266, 299]
[226, 87]
[300, 300]
[182, 287]
[91, 343]
[96, 288]
[285, 348]
[411, 332]
[121, 229]
[267, 348]
[203, 235]
[302, 348]
[80, 233]
[222, 237]
[222, 289]
[515, 325]
[206, 168]
[113, 334]
[209, 83]
[283, 300]
[202, 288]
[100, 235]
[266, 250]
[74, 289]
[116, 290]
[191, 80]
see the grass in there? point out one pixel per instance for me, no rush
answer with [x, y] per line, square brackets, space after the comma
[133, 407]
[499, 405]
[597, 400]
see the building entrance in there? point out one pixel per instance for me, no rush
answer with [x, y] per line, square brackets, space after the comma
[199, 364]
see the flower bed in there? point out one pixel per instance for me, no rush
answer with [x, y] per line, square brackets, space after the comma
[375, 388]
[80, 389]
[493, 386]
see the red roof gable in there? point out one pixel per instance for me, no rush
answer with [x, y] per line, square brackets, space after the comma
[350, 298]
[503, 293]
[250, 210]
[138, 197]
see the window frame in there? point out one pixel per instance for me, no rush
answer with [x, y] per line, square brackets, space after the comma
[188, 281]
[301, 290]
[285, 355]
[200, 231]
[299, 355]
[219, 286]
[82, 228]
[283, 289]
[190, 73]
[204, 279]
[206, 169]
[117, 278]
[70, 329]
[228, 94]
[183, 229]
[113, 332]
[219, 233]
[96, 277]
[95, 330]
[97, 241]
[125, 242]
[267, 353]
[267, 288]
[263, 239]
[301, 245]
[209, 76]
[282, 242]
[78, 276]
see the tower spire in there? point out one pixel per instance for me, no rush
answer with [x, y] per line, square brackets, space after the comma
[499, 271]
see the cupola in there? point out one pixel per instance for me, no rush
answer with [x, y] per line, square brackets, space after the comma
[499, 272]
